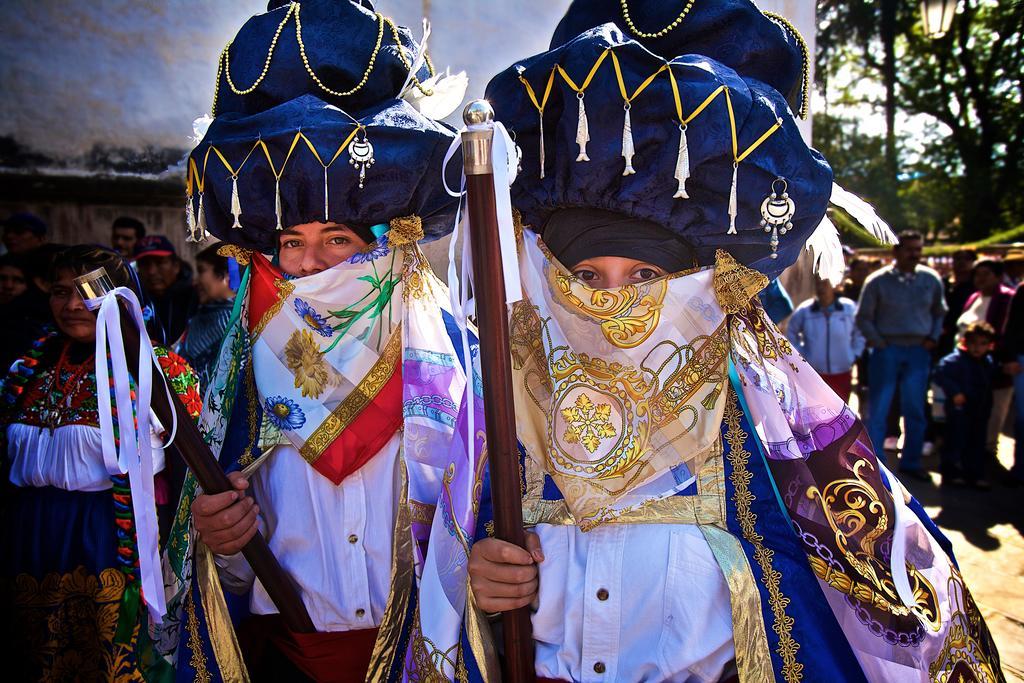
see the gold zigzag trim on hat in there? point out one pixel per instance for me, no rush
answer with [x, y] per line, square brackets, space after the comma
[682, 164]
[778, 19]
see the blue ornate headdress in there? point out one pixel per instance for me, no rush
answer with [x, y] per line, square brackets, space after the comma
[311, 126]
[684, 141]
[754, 44]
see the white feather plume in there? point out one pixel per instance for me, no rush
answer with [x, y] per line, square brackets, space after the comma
[862, 212]
[827, 252]
[447, 92]
[418, 60]
[199, 128]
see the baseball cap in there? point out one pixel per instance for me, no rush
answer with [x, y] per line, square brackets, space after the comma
[26, 222]
[153, 245]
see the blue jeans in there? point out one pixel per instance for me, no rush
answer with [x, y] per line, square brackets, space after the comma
[907, 367]
[1017, 471]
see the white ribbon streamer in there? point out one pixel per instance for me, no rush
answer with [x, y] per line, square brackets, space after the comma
[134, 456]
[898, 555]
[460, 280]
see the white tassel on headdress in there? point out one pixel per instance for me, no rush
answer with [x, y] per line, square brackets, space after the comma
[582, 131]
[190, 220]
[326, 201]
[277, 203]
[682, 165]
[827, 252]
[201, 233]
[733, 204]
[541, 117]
[863, 213]
[627, 143]
[236, 204]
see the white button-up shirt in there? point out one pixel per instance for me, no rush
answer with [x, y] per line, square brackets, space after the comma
[334, 541]
[631, 602]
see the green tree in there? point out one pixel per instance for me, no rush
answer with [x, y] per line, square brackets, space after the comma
[970, 81]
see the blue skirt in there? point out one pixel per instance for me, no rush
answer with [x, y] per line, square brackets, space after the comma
[65, 593]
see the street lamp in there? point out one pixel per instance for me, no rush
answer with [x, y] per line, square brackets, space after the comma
[937, 16]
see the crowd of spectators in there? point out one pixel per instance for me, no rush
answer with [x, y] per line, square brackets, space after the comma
[925, 347]
[190, 308]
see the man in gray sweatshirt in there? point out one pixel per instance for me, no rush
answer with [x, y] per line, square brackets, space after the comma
[900, 314]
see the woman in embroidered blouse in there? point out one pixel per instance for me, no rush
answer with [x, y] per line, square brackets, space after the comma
[71, 564]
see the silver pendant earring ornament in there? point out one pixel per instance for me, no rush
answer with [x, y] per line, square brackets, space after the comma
[777, 212]
[360, 155]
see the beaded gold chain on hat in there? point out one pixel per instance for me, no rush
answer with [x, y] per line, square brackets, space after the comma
[657, 34]
[224, 63]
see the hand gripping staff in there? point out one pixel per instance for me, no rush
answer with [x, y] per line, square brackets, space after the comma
[120, 327]
[489, 161]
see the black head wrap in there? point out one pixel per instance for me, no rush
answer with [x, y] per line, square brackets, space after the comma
[576, 234]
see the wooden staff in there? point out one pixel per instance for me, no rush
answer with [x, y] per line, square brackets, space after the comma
[496, 367]
[193, 450]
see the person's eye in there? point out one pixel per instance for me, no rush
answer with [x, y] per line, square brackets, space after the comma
[291, 244]
[585, 275]
[644, 274]
[339, 241]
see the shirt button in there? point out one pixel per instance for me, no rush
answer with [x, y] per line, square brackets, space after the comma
[360, 613]
[352, 538]
[602, 594]
[599, 667]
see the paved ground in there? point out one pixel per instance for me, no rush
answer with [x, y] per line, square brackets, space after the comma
[987, 531]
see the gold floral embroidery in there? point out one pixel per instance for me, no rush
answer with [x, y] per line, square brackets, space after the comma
[303, 357]
[240, 254]
[963, 657]
[792, 670]
[852, 506]
[629, 315]
[587, 423]
[67, 621]
[198, 659]
[735, 285]
[428, 664]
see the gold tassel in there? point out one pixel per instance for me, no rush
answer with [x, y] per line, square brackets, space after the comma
[405, 230]
[682, 164]
[236, 204]
[582, 130]
[627, 143]
[541, 117]
[710, 400]
[277, 203]
[732, 201]
[326, 204]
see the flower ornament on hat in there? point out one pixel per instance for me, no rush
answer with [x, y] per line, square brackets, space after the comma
[315, 121]
[689, 144]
